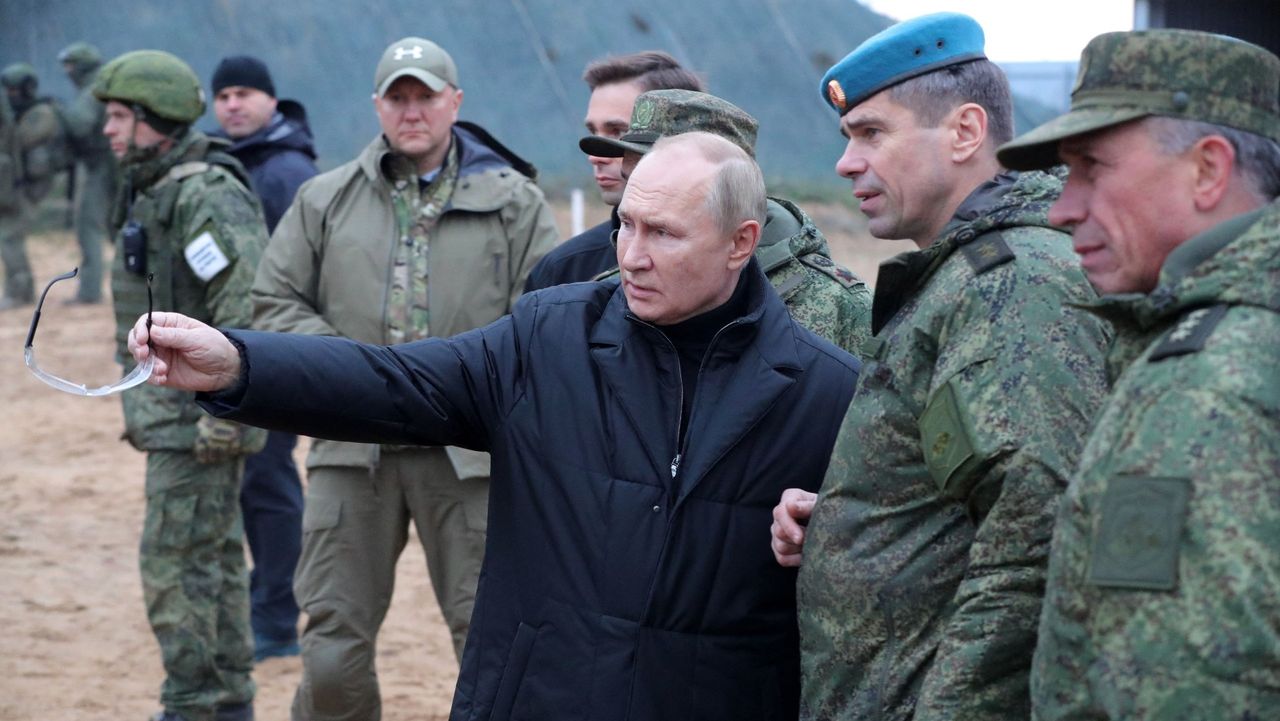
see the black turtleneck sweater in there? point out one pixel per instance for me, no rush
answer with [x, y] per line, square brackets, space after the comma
[692, 337]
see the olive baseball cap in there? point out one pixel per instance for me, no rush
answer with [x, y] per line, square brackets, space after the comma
[671, 112]
[1183, 74]
[416, 58]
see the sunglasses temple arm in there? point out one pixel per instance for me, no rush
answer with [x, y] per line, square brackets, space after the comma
[35, 317]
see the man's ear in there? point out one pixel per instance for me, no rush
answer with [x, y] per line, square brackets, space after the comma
[745, 239]
[968, 131]
[1215, 162]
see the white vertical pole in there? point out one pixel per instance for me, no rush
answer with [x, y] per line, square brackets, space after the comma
[576, 211]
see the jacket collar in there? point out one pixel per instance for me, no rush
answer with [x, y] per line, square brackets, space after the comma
[752, 361]
[473, 193]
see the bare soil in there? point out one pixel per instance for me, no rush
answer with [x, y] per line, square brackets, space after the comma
[74, 640]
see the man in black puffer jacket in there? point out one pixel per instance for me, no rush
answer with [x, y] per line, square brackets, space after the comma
[640, 432]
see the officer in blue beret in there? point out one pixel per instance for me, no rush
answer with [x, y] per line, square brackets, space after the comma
[924, 554]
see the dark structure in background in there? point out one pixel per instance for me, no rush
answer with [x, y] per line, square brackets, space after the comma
[1257, 21]
[522, 59]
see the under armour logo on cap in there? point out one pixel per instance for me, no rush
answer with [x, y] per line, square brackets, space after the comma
[414, 52]
[417, 58]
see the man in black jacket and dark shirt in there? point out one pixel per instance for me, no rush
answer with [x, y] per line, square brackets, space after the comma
[273, 142]
[615, 83]
[640, 433]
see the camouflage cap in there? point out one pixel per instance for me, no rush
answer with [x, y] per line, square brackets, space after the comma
[14, 75]
[1173, 73]
[672, 112]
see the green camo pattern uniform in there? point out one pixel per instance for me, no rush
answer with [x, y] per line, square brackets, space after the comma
[194, 578]
[820, 294]
[30, 142]
[84, 118]
[1162, 599]
[925, 558]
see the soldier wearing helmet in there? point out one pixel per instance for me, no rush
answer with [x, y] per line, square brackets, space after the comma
[84, 117]
[190, 232]
[32, 151]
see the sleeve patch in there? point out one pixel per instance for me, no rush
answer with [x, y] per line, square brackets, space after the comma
[948, 443]
[206, 257]
[1139, 532]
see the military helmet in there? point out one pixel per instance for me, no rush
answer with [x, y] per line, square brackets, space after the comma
[81, 54]
[159, 82]
[18, 73]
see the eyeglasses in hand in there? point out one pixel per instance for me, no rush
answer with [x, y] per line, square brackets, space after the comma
[138, 375]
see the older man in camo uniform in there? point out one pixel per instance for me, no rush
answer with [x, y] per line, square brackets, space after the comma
[1164, 578]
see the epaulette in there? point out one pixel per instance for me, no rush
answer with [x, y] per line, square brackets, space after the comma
[986, 251]
[827, 266]
[1190, 334]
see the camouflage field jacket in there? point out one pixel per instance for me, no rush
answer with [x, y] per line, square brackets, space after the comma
[925, 561]
[1163, 599]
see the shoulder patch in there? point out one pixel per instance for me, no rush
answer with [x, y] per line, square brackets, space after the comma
[1190, 333]
[987, 251]
[825, 265]
[205, 256]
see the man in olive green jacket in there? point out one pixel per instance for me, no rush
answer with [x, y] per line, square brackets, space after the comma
[431, 231]
[1163, 579]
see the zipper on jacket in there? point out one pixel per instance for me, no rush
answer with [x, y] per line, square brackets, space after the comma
[682, 448]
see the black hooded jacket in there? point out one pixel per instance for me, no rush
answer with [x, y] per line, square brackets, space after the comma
[280, 157]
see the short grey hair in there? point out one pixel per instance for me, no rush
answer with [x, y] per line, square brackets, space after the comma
[736, 193]
[1257, 157]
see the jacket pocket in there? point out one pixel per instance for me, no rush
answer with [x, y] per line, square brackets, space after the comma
[513, 673]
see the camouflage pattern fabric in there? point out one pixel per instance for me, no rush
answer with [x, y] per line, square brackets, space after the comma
[658, 113]
[194, 576]
[1164, 580]
[1182, 74]
[212, 203]
[820, 294]
[195, 584]
[84, 120]
[417, 212]
[26, 164]
[925, 557]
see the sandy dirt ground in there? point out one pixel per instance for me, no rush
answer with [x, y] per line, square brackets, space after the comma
[74, 640]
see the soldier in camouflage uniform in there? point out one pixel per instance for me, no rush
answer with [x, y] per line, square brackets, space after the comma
[924, 559]
[1164, 578]
[84, 118]
[823, 296]
[188, 222]
[33, 151]
[430, 232]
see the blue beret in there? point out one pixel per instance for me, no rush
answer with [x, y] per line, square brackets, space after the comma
[899, 53]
